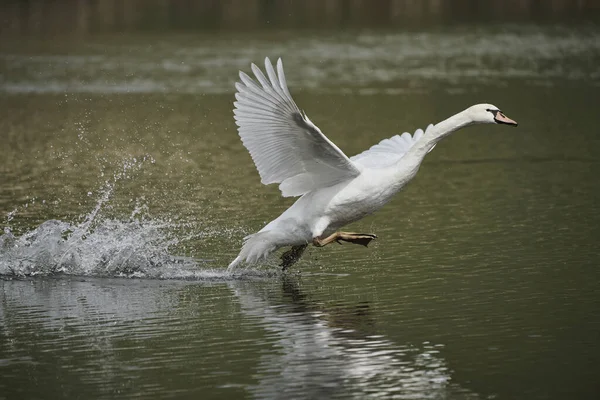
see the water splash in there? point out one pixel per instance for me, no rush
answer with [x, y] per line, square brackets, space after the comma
[140, 246]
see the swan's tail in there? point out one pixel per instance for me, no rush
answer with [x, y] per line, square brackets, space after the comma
[237, 261]
[256, 248]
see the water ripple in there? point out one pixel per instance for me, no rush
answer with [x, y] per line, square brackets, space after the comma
[374, 61]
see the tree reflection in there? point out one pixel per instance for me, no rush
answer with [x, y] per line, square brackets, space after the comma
[82, 16]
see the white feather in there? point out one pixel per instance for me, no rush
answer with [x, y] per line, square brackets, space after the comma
[389, 151]
[286, 147]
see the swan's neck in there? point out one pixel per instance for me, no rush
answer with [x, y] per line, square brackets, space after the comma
[441, 130]
[447, 126]
[408, 165]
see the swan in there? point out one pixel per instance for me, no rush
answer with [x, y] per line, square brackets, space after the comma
[335, 190]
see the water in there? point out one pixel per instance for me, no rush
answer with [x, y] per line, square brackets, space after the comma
[125, 191]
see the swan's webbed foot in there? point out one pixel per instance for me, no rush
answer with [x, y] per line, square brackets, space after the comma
[292, 256]
[357, 238]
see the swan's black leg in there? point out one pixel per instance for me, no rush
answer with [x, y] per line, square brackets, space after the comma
[292, 256]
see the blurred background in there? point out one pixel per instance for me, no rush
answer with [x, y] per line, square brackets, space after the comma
[119, 158]
[95, 16]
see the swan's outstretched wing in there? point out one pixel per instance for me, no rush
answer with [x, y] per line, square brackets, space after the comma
[389, 151]
[285, 145]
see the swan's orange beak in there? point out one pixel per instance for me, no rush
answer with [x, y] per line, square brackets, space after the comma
[503, 119]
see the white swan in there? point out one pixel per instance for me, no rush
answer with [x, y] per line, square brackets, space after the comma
[335, 190]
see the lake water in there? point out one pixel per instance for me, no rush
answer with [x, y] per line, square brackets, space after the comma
[125, 191]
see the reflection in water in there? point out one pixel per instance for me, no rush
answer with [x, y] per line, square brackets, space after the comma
[81, 17]
[69, 333]
[120, 333]
[102, 338]
[322, 354]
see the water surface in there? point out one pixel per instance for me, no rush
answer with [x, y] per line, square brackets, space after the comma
[120, 160]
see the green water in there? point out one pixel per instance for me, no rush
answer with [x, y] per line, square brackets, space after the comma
[482, 283]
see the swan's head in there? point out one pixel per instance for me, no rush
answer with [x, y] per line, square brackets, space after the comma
[489, 114]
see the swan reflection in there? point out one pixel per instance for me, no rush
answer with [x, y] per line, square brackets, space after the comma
[324, 353]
